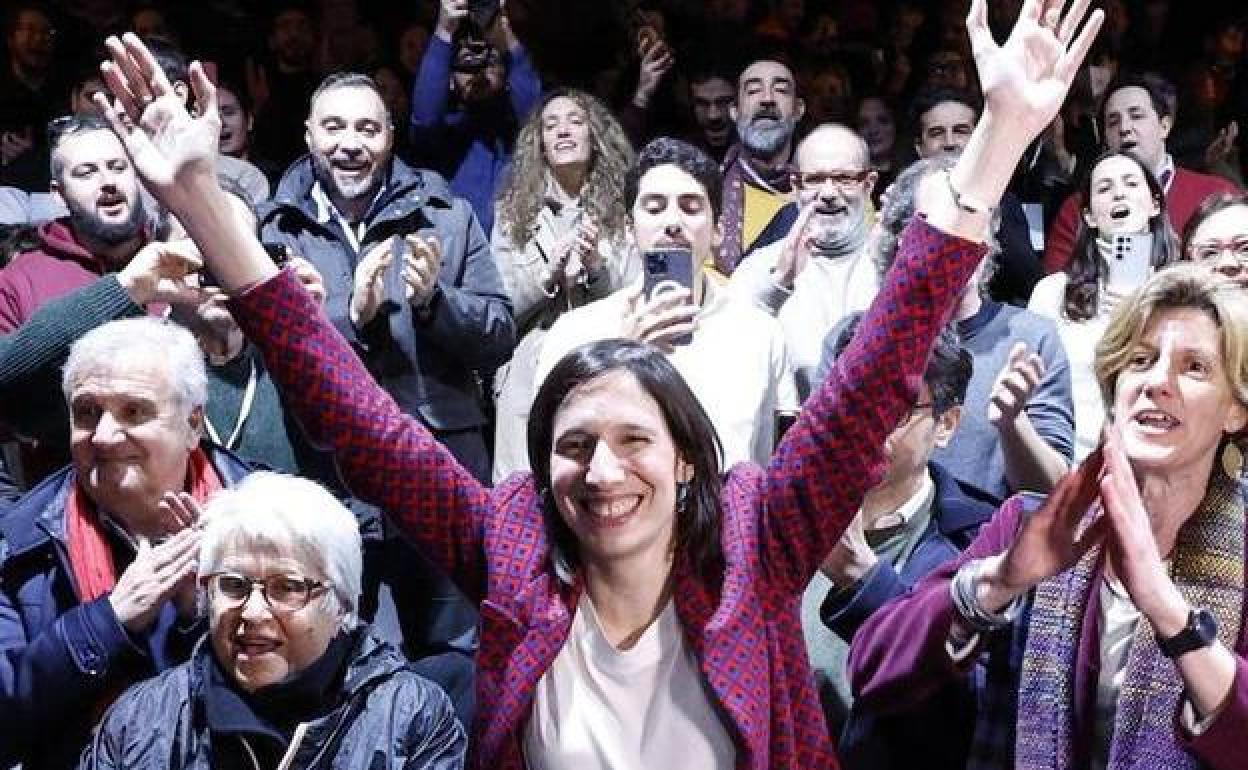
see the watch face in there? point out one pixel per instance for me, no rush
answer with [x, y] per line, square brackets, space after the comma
[1205, 626]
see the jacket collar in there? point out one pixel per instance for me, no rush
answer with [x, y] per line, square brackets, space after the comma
[406, 189]
[960, 508]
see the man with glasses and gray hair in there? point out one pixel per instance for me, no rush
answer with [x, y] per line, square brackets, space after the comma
[97, 563]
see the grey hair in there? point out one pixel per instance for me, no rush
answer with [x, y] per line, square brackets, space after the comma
[294, 518]
[117, 342]
[898, 208]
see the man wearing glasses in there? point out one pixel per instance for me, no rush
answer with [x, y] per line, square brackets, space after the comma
[820, 272]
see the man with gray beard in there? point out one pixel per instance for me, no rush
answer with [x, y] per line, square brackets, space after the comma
[820, 271]
[105, 226]
[756, 171]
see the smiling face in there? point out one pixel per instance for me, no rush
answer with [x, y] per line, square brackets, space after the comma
[614, 469]
[129, 437]
[1221, 243]
[257, 646]
[1120, 201]
[1173, 402]
[565, 134]
[95, 179]
[1132, 123]
[833, 175]
[349, 136]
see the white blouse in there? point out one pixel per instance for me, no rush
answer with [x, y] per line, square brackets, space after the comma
[601, 708]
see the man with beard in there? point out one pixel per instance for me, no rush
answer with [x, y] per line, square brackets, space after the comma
[407, 268]
[105, 226]
[473, 89]
[820, 272]
[712, 98]
[756, 170]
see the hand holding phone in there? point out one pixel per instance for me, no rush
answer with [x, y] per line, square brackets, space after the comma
[665, 314]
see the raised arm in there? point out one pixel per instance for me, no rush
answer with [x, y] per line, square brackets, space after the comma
[834, 453]
[386, 457]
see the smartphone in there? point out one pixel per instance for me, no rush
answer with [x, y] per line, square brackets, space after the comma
[482, 13]
[667, 270]
[1130, 261]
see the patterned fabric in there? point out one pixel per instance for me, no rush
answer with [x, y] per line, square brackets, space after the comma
[778, 523]
[1208, 568]
[732, 214]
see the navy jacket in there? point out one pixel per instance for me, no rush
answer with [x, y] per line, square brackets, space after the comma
[880, 743]
[58, 656]
[428, 366]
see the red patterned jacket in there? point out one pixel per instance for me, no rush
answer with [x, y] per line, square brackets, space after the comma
[778, 523]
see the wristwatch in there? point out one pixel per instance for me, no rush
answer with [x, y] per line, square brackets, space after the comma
[1201, 631]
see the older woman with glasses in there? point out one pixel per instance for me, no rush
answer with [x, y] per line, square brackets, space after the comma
[1217, 236]
[287, 677]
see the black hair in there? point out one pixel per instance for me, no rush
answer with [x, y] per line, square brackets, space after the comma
[949, 367]
[171, 60]
[1087, 269]
[349, 80]
[697, 527]
[928, 98]
[1161, 93]
[688, 158]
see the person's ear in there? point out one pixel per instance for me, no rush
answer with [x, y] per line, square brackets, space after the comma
[195, 422]
[799, 109]
[1156, 209]
[684, 471]
[1236, 419]
[732, 112]
[307, 134]
[1087, 217]
[947, 425]
[1167, 123]
[869, 186]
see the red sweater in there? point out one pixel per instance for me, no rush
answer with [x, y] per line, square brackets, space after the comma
[1188, 190]
[58, 267]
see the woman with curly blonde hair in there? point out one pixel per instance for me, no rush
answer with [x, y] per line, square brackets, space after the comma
[560, 238]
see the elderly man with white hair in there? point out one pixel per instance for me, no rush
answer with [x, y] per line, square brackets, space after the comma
[97, 563]
[820, 272]
[287, 673]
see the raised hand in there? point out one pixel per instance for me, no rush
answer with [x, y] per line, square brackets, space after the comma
[166, 144]
[1027, 78]
[368, 290]
[851, 558]
[655, 61]
[661, 319]
[422, 260]
[161, 272]
[1015, 383]
[155, 576]
[1049, 540]
[795, 253]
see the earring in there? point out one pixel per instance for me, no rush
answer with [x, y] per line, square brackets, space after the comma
[1232, 460]
[682, 497]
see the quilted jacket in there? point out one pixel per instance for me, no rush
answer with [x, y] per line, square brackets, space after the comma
[778, 522]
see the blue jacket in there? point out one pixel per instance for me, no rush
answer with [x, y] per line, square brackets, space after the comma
[470, 149]
[58, 656]
[880, 743]
[428, 366]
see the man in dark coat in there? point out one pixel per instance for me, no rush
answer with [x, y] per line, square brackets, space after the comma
[97, 562]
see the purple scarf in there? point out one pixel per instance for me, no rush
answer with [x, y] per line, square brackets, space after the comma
[732, 213]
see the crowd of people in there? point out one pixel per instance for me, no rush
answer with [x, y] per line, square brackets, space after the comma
[729, 384]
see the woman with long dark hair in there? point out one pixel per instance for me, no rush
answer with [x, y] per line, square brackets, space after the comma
[638, 609]
[1124, 236]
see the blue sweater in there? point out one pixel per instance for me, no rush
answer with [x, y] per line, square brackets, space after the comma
[469, 148]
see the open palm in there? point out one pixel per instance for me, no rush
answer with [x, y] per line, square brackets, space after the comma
[164, 141]
[1029, 75]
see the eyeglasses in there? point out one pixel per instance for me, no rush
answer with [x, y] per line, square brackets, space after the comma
[1208, 251]
[284, 593]
[841, 180]
[917, 410]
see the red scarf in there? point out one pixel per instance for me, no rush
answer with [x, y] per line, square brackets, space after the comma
[90, 558]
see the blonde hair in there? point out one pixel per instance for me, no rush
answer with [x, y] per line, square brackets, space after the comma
[1178, 286]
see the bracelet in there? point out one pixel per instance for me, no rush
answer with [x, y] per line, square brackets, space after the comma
[965, 202]
[966, 601]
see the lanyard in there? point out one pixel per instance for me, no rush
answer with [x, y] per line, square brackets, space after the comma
[244, 411]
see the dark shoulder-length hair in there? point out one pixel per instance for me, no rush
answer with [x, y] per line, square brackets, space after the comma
[697, 528]
[1087, 272]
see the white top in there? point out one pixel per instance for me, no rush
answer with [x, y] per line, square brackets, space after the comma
[824, 292]
[1079, 338]
[736, 365]
[600, 708]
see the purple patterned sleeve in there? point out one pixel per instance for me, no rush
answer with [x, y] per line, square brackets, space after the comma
[835, 452]
[386, 457]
